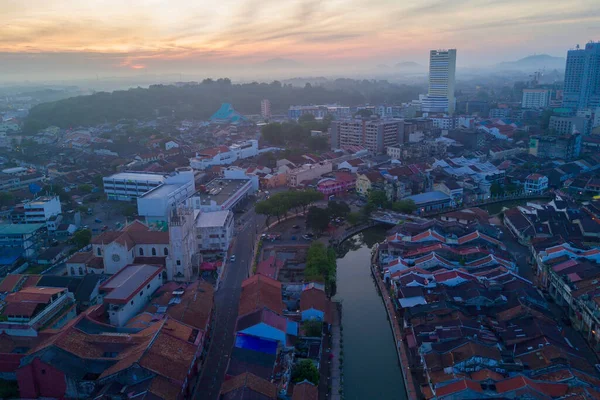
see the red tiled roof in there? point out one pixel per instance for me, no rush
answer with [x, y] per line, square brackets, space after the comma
[305, 391]
[248, 382]
[459, 386]
[520, 382]
[194, 308]
[260, 291]
[26, 309]
[317, 299]
[486, 374]
[80, 257]
[9, 282]
[34, 294]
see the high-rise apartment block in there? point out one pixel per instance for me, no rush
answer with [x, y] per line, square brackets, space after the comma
[373, 134]
[582, 78]
[265, 109]
[535, 98]
[442, 70]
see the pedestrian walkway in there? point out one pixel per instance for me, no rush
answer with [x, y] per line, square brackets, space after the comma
[336, 382]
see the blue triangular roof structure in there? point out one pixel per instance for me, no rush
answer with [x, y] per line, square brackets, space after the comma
[227, 114]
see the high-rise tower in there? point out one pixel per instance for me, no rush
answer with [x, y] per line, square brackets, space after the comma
[442, 71]
[582, 78]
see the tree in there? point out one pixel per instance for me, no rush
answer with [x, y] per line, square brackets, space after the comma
[129, 210]
[306, 118]
[313, 328]
[354, 218]
[305, 370]
[378, 198]
[6, 198]
[85, 188]
[496, 189]
[317, 219]
[364, 113]
[82, 238]
[338, 209]
[407, 206]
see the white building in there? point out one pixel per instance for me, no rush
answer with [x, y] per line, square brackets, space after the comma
[37, 211]
[171, 145]
[224, 155]
[395, 152]
[535, 98]
[221, 194]
[157, 204]
[536, 183]
[445, 122]
[308, 172]
[127, 293]
[214, 230]
[373, 134]
[127, 186]
[265, 109]
[442, 69]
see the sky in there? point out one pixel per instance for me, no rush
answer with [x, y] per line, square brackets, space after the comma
[112, 37]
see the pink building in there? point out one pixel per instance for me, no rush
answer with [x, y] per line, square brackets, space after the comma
[340, 185]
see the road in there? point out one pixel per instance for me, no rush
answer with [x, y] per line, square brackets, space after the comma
[226, 306]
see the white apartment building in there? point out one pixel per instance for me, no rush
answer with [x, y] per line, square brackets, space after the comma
[214, 231]
[126, 293]
[308, 172]
[37, 211]
[445, 123]
[535, 98]
[536, 183]
[128, 186]
[395, 152]
[373, 134]
[442, 70]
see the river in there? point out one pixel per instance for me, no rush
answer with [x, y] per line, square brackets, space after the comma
[371, 369]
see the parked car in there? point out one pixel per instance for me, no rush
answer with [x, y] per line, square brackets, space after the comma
[306, 237]
[232, 258]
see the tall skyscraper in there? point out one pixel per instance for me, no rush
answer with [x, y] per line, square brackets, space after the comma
[265, 109]
[442, 70]
[582, 78]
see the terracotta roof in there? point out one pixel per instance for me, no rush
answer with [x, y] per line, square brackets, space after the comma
[305, 391]
[25, 309]
[10, 282]
[194, 307]
[317, 299]
[456, 387]
[164, 388]
[260, 292]
[486, 374]
[248, 382]
[81, 257]
[522, 382]
[34, 294]
[132, 234]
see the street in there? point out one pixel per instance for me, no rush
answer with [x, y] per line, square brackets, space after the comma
[226, 307]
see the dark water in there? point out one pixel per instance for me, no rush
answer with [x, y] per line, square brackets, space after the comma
[371, 369]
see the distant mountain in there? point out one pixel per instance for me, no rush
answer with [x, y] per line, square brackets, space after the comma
[383, 66]
[535, 62]
[281, 63]
[409, 65]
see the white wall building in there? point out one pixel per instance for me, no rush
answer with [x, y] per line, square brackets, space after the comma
[128, 292]
[214, 230]
[395, 152]
[442, 69]
[127, 186]
[535, 98]
[221, 194]
[40, 210]
[157, 204]
[308, 172]
[224, 155]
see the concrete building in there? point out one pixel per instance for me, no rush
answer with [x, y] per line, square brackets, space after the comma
[157, 204]
[569, 125]
[582, 78]
[308, 172]
[128, 186]
[565, 147]
[126, 293]
[536, 183]
[373, 134]
[222, 194]
[319, 111]
[445, 122]
[225, 155]
[19, 240]
[214, 231]
[535, 98]
[37, 211]
[431, 201]
[442, 69]
[339, 185]
[265, 109]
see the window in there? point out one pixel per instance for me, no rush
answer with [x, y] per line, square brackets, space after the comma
[99, 252]
[80, 271]
[72, 270]
[43, 372]
[153, 251]
[141, 293]
[178, 262]
[141, 251]
[148, 287]
[166, 251]
[131, 302]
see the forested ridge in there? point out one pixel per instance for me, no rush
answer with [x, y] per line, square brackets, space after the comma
[202, 100]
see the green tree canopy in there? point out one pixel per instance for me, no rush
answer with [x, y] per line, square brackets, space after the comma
[407, 206]
[338, 209]
[378, 198]
[305, 370]
[82, 238]
[317, 219]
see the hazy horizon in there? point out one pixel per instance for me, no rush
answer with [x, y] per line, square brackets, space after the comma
[69, 40]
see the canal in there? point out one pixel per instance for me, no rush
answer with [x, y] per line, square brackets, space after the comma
[371, 369]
